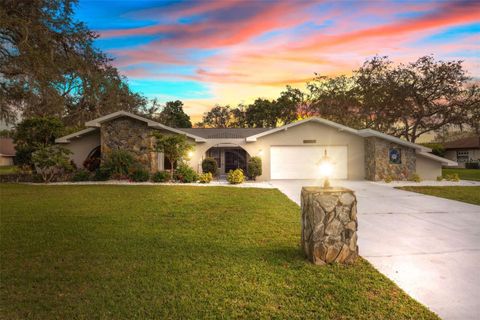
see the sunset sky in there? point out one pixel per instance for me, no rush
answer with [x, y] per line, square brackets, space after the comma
[230, 52]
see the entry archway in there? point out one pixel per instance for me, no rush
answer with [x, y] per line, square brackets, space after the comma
[228, 157]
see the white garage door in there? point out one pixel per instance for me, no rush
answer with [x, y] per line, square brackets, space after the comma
[301, 162]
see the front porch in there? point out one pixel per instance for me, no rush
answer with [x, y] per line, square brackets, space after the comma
[228, 157]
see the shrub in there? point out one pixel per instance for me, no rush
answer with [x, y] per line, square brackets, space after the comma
[254, 167]
[206, 177]
[472, 165]
[209, 165]
[173, 146]
[452, 177]
[439, 178]
[92, 164]
[138, 173]
[81, 175]
[161, 176]
[118, 163]
[101, 174]
[185, 174]
[414, 178]
[34, 133]
[235, 176]
[51, 161]
[388, 179]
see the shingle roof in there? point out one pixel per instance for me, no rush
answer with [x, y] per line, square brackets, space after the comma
[224, 133]
[465, 143]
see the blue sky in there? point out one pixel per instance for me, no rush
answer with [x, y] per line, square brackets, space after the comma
[228, 52]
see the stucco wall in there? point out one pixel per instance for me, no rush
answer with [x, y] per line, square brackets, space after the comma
[81, 147]
[324, 136]
[199, 153]
[6, 161]
[377, 161]
[428, 169]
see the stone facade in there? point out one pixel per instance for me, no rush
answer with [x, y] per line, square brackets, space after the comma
[377, 161]
[132, 135]
[329, 225]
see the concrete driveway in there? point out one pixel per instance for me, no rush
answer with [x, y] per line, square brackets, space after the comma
[428, 246]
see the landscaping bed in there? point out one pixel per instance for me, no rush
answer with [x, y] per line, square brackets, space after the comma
[123, 252]
[469, 194]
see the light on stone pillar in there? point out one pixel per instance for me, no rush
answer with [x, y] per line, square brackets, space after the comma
[326, 169]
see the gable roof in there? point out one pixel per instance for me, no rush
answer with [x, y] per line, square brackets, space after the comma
[78, 134]
[465, 143]
[224, 133]
[96, 123]
[250, 134]
[444, 161]
[362, 133]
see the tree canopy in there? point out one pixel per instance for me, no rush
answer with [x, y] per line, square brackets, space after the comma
[50, 67]
[406, 100]
[173, 115]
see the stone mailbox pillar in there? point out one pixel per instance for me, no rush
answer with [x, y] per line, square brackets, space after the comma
[329, 225]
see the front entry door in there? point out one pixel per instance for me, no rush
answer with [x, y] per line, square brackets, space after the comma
[234, 159]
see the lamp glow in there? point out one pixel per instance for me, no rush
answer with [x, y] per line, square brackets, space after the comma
[326, 169]
[190, 154]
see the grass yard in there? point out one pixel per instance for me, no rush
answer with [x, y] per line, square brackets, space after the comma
[136, 252]
[465, 194]
[8, 169]
[464, 174]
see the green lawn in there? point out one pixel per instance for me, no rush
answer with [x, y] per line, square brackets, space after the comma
[8, 169]
[464, 174]
[136, 252]
[466, 194]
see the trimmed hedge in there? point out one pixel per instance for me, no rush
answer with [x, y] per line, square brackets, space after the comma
[209, 165]
[254, 167]
[235, 176]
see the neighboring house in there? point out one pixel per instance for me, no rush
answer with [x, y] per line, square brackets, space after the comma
[463, 150]
[292, 151]
[7, 151]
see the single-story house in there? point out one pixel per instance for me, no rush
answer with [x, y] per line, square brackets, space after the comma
[463, 150]
[292, 151]
[7, 151]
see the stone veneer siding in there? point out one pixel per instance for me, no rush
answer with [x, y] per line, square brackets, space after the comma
[329, 225]
[132, 135]
[377, 162]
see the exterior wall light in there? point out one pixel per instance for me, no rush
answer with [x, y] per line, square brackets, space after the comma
[260, 152]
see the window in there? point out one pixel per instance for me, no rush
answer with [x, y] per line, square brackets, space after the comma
[215, 154]
[395, 155]
[462, 156]
[309, 141]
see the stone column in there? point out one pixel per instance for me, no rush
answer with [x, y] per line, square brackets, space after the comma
[329, 225]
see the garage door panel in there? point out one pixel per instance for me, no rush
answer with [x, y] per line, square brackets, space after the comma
[301, 162]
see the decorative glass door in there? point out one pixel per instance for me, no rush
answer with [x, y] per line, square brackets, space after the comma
[234, 159]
